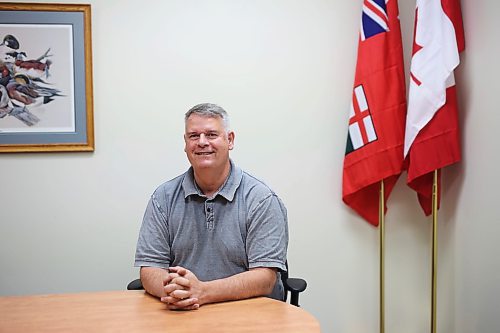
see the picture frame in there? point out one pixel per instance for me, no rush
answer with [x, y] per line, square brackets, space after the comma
[46, 97]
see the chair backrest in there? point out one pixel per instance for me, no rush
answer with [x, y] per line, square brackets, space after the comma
[284, 279]
[294, 286]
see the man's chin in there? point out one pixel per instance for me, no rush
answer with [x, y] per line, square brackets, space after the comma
[206, 164]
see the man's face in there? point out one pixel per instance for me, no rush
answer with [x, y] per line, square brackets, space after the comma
[207, 142]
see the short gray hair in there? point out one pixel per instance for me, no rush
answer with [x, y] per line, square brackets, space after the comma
[209, 110]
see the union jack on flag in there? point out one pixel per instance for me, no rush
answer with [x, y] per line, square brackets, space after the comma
[374, 19]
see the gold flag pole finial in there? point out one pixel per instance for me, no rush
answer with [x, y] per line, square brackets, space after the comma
[434, 251]
[381, 223]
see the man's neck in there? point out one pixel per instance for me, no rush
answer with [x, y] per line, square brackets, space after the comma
[210, 180]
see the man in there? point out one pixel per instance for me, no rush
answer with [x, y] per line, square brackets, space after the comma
[214, 233]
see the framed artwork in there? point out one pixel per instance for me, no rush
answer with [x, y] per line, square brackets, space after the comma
[46, 100]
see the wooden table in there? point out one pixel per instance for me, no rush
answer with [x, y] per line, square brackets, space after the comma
[136, 311]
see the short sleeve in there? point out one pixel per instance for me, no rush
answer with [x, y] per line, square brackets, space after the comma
[267, 238]
[153, 249]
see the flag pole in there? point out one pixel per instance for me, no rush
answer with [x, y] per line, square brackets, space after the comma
[381, 222]
[434, 250]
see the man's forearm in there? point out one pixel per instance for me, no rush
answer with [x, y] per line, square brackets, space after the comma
[256, 282]
[152, 280]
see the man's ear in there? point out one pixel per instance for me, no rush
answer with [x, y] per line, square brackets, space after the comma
[185, 143]
[230, 138]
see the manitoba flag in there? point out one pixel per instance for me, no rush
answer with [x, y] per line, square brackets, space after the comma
[375, 137]
[432, 134]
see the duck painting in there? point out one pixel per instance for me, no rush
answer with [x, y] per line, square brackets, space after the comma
[24, 84]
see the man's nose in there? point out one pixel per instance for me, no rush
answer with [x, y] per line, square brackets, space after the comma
[203, 140]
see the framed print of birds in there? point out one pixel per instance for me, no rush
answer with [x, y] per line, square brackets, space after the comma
[46, 99]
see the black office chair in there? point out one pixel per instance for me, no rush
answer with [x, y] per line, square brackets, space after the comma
[293, 285]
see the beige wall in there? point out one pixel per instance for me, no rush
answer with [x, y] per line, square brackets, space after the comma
[284, 71]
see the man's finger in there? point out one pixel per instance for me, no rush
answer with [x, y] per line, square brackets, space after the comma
[180, 294]
[191, 307]
[178, 269]
[182, 281]
[171, 287]
[169, 278]
[185, 304]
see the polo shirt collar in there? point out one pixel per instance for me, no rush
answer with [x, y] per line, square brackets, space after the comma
[227, 191]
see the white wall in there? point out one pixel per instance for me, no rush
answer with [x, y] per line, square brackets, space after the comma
[284, 70]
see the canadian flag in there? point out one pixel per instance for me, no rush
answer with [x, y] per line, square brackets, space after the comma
[432, 138]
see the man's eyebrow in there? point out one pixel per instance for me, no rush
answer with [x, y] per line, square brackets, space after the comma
[199, 132]
[203, 132]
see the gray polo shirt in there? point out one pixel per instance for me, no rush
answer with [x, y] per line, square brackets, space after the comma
[243, 226]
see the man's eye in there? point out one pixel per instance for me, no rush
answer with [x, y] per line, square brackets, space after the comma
[194, 136]
[212, 135]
